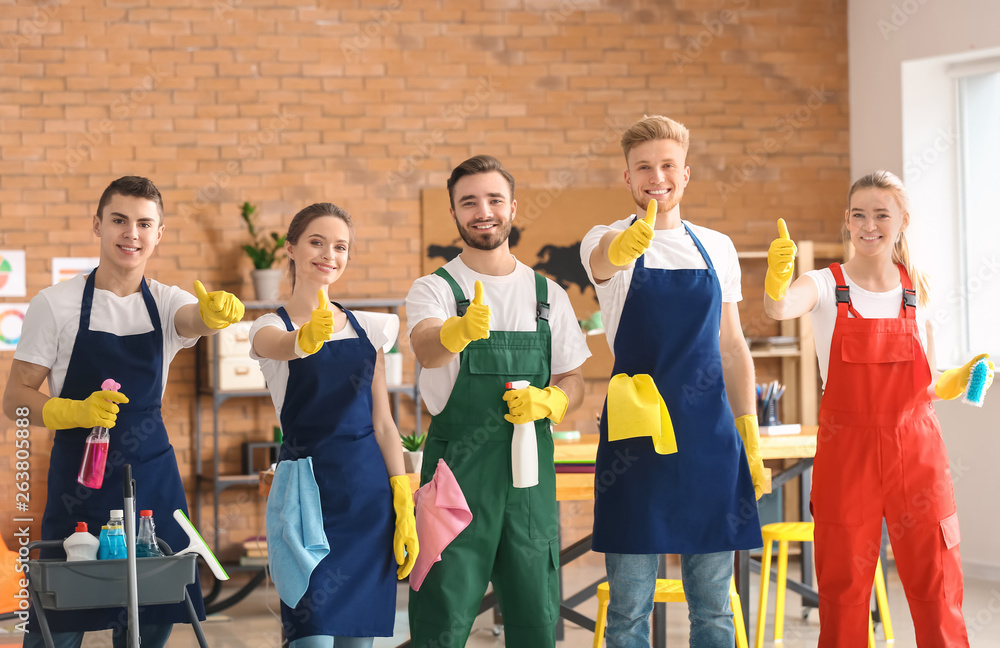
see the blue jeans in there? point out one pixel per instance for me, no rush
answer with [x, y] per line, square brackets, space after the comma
[326, 641]
[151, 636]
[632, 581]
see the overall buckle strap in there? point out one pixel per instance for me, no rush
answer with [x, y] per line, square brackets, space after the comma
[461, 301]
[843, 294]
[542, 307]
[909, 298]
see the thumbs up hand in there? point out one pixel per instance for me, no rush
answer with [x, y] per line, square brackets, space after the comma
[780, 263]
[318, 329]
[457, 332]
[218, 309]
[635, 240]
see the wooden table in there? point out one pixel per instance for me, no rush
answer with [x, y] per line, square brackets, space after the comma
[580, 486]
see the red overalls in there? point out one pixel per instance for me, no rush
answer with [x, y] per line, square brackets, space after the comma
[880, 453]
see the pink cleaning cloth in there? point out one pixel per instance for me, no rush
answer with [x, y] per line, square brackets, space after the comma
[442, 513]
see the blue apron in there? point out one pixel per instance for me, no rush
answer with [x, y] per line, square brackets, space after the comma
[327, 415]
[139, 438]
[700, 499]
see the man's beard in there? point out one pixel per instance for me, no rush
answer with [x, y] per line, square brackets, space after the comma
[476, 240]
[675, 199]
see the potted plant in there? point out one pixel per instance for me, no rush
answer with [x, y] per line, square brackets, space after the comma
[263, 251]
[413, 456]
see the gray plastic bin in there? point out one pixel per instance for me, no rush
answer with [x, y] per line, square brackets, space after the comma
[77, 585]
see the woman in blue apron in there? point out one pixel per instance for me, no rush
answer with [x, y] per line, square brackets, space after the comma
[331, 529]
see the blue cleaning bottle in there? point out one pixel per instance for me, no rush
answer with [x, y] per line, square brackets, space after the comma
[102, 549]
[115, 538]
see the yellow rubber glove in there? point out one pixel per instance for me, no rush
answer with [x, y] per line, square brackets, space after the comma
[530, 404]
[747, 427]
[404, 540]
[100, 408]
[780, 264]
[952, 383]
[318, 329]
[635, 240]
[457, 332]
[218, 309]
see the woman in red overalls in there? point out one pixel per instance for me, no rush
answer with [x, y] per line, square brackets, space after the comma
[879, 452]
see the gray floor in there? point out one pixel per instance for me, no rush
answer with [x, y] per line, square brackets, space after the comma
[252, 623]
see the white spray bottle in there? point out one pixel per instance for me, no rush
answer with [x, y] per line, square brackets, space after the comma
[523, 449]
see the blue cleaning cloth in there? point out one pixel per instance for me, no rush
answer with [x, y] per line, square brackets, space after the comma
[296, 542]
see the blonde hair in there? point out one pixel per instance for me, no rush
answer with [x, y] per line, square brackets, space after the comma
[888, 181]
[654, 127]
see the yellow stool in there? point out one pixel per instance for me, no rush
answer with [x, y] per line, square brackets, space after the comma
[785, 532]
[668, 591]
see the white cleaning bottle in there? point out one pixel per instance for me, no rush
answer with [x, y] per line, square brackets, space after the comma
[523, 449]
[81, 545]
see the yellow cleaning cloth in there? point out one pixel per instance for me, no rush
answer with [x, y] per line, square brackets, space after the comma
[636, 409]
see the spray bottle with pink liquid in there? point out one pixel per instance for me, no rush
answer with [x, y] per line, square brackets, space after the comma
[95, 455]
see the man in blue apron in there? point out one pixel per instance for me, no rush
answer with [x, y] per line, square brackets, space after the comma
[668, 293]
[113, 323]
[483, 320]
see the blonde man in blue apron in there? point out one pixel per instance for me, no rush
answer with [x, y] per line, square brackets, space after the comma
[478, 322]
[112, 323]
[668, 292]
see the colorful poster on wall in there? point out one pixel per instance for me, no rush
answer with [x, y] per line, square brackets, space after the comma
[64, 268]
[12, 273]
[11, 318]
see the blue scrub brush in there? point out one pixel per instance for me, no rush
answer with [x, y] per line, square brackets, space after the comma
[975, 391]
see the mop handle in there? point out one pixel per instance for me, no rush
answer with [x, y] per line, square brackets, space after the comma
[133, 585]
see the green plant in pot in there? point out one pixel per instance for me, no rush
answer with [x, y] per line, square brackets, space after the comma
[413, 456]
[263, 250]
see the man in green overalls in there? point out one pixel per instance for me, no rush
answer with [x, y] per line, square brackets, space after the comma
[517, 326]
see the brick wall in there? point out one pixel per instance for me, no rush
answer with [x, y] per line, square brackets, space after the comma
[363, 104]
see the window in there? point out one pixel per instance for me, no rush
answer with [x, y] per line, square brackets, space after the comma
[979, 210]
[951, 155]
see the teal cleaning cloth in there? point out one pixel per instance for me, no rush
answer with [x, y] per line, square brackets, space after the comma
[296, 542]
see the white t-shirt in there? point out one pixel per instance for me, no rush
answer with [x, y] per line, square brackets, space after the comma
[49, 330]
[868, 304]
[382, 330]
[512, 301]
[671, 249]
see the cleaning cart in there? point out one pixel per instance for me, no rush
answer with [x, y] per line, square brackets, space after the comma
[61, 585]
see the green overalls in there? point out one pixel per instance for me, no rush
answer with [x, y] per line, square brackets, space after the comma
[513, 539]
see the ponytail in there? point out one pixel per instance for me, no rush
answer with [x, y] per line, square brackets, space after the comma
[901, 254]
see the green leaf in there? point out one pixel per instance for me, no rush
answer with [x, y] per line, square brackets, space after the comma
[412, 442]
[263, 249]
